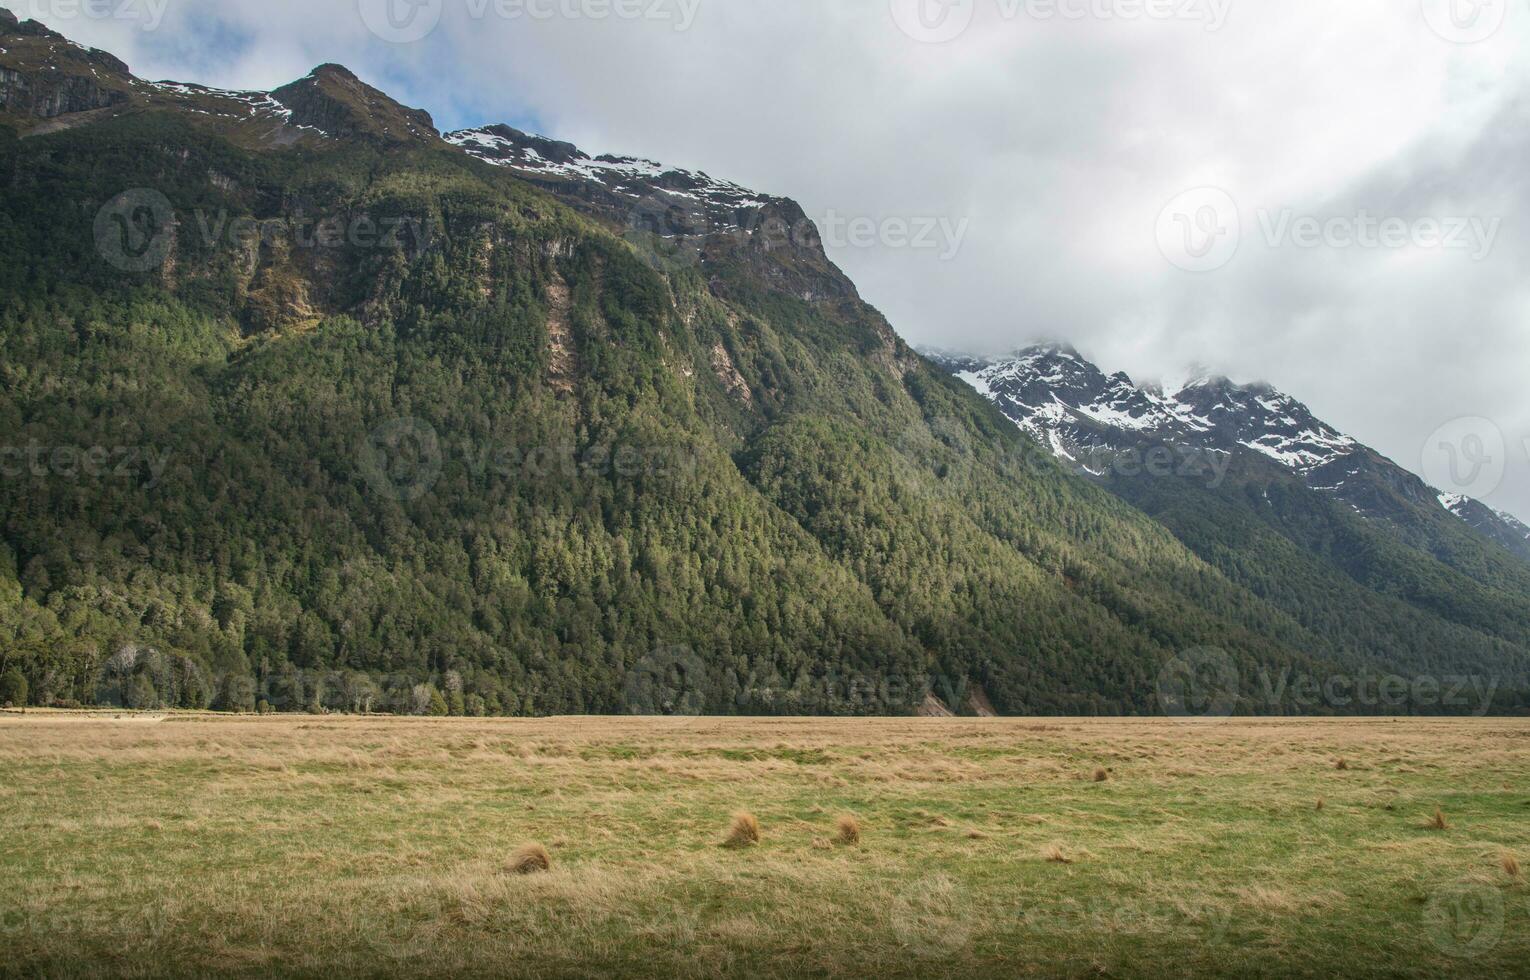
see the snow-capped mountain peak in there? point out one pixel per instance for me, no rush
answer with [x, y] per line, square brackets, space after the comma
[1053, 391]
[1090, 419]
[1502, 527]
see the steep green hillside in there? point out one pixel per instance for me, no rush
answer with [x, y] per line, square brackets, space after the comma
[1351, 582]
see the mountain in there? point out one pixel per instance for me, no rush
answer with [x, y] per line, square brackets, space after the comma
[1070, 405]
[1503, 528]
[313, 406]
[1251, 480]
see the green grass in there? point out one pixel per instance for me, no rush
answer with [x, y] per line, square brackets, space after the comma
[306, 846]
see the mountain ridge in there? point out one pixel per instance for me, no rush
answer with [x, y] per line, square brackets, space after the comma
[1263, 419]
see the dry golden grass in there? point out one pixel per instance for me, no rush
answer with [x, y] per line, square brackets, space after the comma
[744, 831]
[190, 845]
[849, 830]
[529, 859]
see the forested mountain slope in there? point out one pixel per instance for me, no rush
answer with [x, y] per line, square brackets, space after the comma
[1347, 542]
[307, 404]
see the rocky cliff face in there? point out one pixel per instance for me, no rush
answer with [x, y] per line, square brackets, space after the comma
[682, 217]
[24, 95]
[335, 102]
[44, 76]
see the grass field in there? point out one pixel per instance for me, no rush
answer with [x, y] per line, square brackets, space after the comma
[313, 845]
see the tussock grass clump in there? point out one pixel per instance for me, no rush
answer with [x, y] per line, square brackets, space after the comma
[1510, 865]
[745, 831]
[1439, 822]
[849, 830]
[1100, 775]
[529, 859]
[1053, 854]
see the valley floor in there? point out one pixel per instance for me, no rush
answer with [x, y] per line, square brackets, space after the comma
[292, 845]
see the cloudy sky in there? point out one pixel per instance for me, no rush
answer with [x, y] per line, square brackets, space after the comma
[1325, 195]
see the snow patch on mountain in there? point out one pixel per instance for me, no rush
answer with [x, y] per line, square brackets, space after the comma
[254, 102]
[977, 381]
[1453, 502]
[1303, 452]
[632, 176]
[1470, 509]
[1505, 528]
[229, 103]
[1514, 523]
